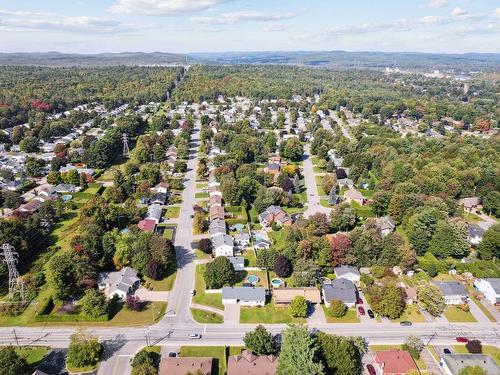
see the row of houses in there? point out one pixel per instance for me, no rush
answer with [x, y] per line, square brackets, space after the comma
[155, 211]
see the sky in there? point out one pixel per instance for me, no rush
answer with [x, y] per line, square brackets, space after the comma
[180, 26]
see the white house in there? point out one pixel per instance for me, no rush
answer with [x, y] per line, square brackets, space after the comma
[121, 283]
[475, 234]
[242, 239]
[454, 292]
[347, 272]
[245, 296]
[223, 245]
[490, 288]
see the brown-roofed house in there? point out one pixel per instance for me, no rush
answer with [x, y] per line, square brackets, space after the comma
[216, 212]
[354, 195]
[394, 362]
[248, 363]
[284, 296]
[185, 365]
[215, 200]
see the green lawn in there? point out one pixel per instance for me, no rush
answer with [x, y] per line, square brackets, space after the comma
[324, 203]
[417, 279]
[172, 212]
[168, 233]
[362, 211]
[367, 193]
[202, 298]
[201, 195]
[314, 160]
[350, 317]
[455, 315]
[201, 255]
[250, 259]
[444, 277]
[411, 313]
[483, 309]
[33, 354]
[294, 210]
[493, 351]
[317, 169]
[472, 218]
[202, 185]
[269, 314]
[203, 316]
[235, 350]
[218, 353]
[163, 284]
[78, 370]
[321, 191]
[419, 362]
[242, 275]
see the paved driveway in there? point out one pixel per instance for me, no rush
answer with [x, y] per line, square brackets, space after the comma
[150, 295]
[317, 315]
[477, 312]
[232, 313]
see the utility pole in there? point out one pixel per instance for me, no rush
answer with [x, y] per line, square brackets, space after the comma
[15, 283]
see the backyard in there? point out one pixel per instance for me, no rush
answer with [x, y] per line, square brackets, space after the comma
[268, 314]
[218, 353]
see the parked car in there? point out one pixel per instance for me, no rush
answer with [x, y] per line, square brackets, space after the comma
[405, 323]
[446, 351]
[172, 354]
[371, 314]
[462, 339]
[359, 301]
[194, 336]
[371, 369]
[361, 310]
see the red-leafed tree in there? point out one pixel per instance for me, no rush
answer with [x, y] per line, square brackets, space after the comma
[340, 245]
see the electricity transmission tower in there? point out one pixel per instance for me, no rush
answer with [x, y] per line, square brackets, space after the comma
[126, 150]
[15, 282]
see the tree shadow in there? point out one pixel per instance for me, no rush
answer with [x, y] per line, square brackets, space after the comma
[112, 346]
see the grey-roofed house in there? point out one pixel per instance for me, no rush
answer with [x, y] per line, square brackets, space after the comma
[245, 296]
[223, 245]
[242, 239]
[490, 287]
[64, 188]
[386, 225]
[154, 213]
[159, 198]
[238, 263]
[453, 363]
[347, 272]
[454, 292]
[340, 289]
[217, 226]
[120, 283]
[469, 203]
[475, 234]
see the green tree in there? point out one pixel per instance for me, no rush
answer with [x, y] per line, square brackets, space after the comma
[93, 304]
[489, 246]
[387, 300]
[292, 149]
[421, 228]
[298, 353]
[430, 298]
[343, 217]
[450, 239]
[84, 350]
[12, 363]
[491, 203]
[260, 341]
[144, 369]
[230, 190]
[266, 258]
[329, 182]
[218, 273]
[298, 307]
[337, 308]
[339, 354]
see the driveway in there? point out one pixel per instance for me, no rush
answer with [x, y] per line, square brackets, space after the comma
[432, 366]
[150, 295]
[477, 312]
[317, 315]
[232, 313]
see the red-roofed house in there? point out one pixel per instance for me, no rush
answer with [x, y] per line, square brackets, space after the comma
[394, 362]
[147, 225]
[248, 363]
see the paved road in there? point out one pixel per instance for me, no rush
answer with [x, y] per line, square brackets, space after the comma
[343, 126]
[313, 197]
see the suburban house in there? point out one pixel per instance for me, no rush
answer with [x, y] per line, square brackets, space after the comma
[475, 234]
[490, 288]
[214, 190]
[159, 198]
[410, 295]
[147, 225]
[216, 212]
[238, 263]
[273, 169]
[217, 226]
[185, 365]
[245, 296]
[394, 362]
[454, 292]
[469, 203]
[347, 272]
[223, 245]
[274, 214]
[250, 364]
[386, 225]
[452, 364]
[161, 187]
[215, 200]
[345, 183]
[284, 296]
[353, 195]
[242, 239]
[261, 244]
[120, 283]
[340, 289]
[153, 217]
[64, 188]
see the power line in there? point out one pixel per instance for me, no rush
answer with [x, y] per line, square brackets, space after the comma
[126, 150]
[15, 283]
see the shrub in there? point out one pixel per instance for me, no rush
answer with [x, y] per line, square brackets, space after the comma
[377, 271]
[133, 303]
[155, 270]
[13, 363]
[337, 309]
[298, 307]
[283, 266]
[474, 347]
[93, 304]
[205, 245]
[84, 350]
[366, 279]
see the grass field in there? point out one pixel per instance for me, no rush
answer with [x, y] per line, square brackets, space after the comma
[350, 317]
[493, 351]
[163, 284]
[455, 315]
[411, 313]
[202, 316]
[218, 353]
[362, 211]
[201, 195]
[33, 354]
[202, 298]
[269, 314]
[172, 212]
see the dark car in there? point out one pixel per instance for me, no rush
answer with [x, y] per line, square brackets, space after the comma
[370, 314]
[361, 310]
[446, 351]
[462, 339]
[371, 369]
[172, 354]
[405, 323]
[359, 301]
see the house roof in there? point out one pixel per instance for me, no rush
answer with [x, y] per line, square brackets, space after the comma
[217, 226]
[345, 270]
[469, 202]
[185, 365]
[119, 281]
[475, 231]
[237, 262]
[353, 194]
[154, 212]
[451, 288]
[159, 197]
[495, 284]
[222, 239]
[285, 295]
[215, 199]
[341, 289]
[244, 293]
[456, 362]
[216, 212]
[248, 363]
[385, 222]
[147, 225]
[395, 361]
[242, 237]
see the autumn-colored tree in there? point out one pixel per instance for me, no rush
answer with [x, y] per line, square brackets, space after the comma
[340, 245]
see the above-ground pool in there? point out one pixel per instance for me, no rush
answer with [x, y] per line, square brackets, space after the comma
[276, 283]
[253, 279]
[239, 227]
[66, 197]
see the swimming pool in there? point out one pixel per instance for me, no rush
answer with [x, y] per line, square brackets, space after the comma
[253, 279]
[276, 283]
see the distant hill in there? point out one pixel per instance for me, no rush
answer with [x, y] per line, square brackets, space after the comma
[332, 59]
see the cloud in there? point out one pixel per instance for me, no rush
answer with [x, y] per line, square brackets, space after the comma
[22, 13]
[401, 25]
[234, 17]
[437, 3]
[496, 13]
[162, 7]
[456, 12]
[274, 27]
